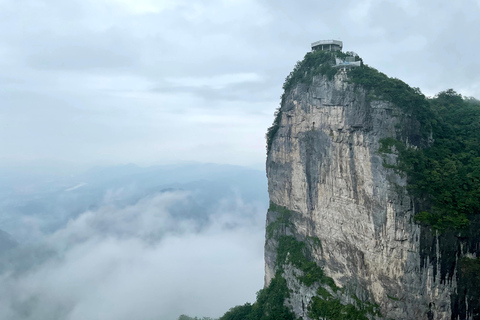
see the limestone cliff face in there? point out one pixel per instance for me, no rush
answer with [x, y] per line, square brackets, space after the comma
[324, 166]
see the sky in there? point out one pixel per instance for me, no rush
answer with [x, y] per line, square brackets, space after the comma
[88, 82]
[110, 82]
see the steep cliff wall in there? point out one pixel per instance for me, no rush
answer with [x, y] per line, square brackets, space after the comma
[330, 190]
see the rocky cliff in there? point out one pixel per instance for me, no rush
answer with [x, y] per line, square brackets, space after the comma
[335, 199]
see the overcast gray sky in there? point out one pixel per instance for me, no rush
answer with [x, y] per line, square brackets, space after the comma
[162, 81]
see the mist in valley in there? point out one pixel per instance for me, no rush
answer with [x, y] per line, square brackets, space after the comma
[129, 242]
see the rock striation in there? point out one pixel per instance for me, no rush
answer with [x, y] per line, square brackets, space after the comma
[324, 168]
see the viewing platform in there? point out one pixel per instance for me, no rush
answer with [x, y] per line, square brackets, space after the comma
[327, 45]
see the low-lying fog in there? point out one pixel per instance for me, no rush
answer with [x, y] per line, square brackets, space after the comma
[131, 243]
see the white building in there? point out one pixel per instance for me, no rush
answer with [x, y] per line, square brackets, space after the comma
[327, 45]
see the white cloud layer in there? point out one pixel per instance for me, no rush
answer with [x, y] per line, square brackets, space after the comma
[140, 262]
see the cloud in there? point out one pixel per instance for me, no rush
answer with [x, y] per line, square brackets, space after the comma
[123, 74]
[139, 261]
[143, 6]
[217, 82]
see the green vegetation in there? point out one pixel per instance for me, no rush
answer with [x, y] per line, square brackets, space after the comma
[270, 302]
[442, 170]
[281, 222]
[316, 242]
[313, 64]
[284, 211]
[471, 268]
[268, 306]
[295, 252]
[469, 286]
[272, 130]
[396, 91]
[446, 175]
[392, 298]
[238, 312]
[325, 306]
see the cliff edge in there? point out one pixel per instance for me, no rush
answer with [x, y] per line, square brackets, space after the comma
[331, 189]
[374, 199]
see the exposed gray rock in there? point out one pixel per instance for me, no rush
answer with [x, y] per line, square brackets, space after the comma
[300, 295]
[324, 164]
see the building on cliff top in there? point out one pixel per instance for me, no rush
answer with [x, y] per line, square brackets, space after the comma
[335, 45]
[327, 45]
